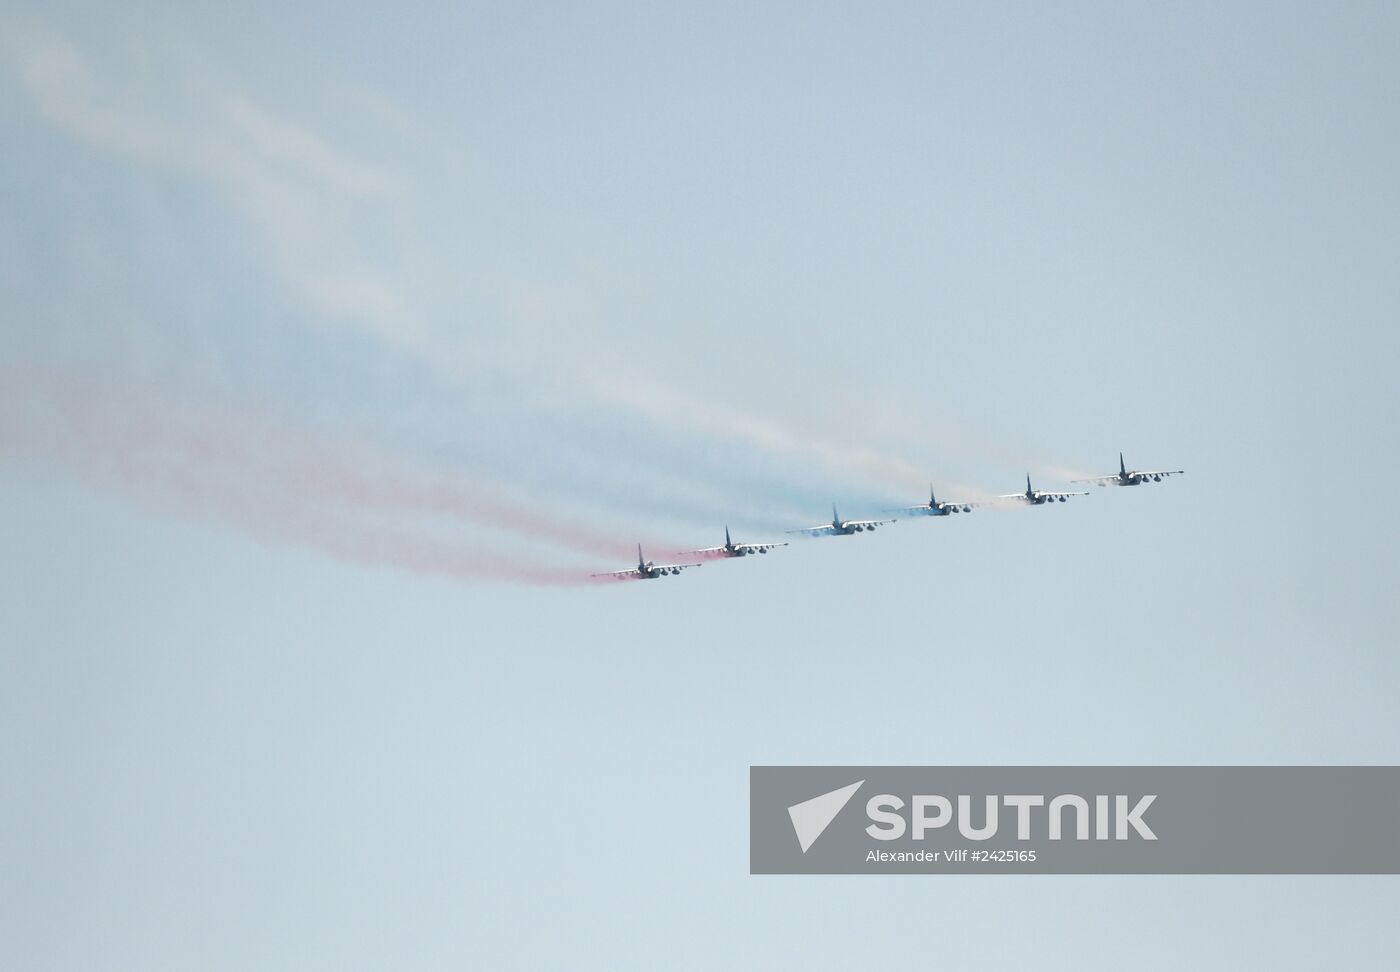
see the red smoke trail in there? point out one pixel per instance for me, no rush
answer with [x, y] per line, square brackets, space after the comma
[350, 538]
[270, 479]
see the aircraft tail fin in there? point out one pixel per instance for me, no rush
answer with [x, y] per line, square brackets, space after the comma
[1029, 489]
[1122, 469]
[835, 517]
[727, 541]
[932, 500]
[641, 561]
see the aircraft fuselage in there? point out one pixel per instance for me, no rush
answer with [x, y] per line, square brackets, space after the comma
[652, 572]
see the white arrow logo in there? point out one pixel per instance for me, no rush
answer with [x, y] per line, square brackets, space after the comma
[811, 817]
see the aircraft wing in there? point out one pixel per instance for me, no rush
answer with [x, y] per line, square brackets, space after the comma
[865, 523]
[703, 551]
[825, 530]
[671, 568]
[631, 574]
[1143, 473]
[759, 547]
[1040, 494]
[926, 510]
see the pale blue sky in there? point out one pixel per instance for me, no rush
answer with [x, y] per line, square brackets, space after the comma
[654, 272]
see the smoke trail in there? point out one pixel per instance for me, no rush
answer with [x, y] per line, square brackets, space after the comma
[296, 189]
[853, 452]
[869, 437]
[958, 437]
[350, 539]
[847, 456]
[269, 477]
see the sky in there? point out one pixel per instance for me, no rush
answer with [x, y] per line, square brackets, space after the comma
[340, 344]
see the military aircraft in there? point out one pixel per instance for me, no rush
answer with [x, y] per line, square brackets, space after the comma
[935, 508]
[1035, 497]
[645, 569]
[1134, 477]
[732, 549]
[841, 528]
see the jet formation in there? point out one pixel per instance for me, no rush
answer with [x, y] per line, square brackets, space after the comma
[839, 527]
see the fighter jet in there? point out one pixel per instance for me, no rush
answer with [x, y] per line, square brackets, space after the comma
[1035, 497]
[732, 549]
[1135, 477]
[934, 508]
[645, 569]
[839, 527]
